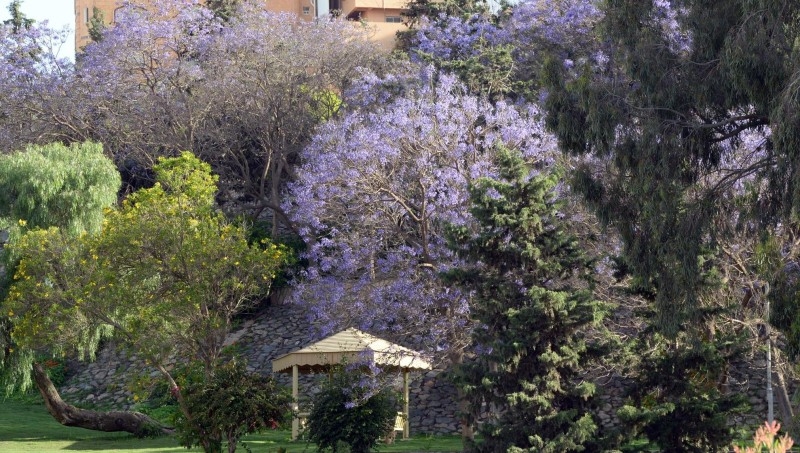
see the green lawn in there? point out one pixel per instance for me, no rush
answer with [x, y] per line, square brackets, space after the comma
[26, 427]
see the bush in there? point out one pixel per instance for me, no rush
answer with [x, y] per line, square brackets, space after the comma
[766, 440]
[56, 371]
[677, 402]
[234, 402]
[348, 413]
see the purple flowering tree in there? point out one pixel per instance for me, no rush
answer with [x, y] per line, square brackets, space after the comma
[244, 93]
[241, 93]
[33, 77]
[376, 189]
[501, 53]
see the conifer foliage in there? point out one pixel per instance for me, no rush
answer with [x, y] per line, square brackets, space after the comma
[532, 308]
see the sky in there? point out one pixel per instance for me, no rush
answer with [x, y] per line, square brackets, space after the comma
[59, 13]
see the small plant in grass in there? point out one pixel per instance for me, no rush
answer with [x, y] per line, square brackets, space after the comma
[766, 440]
[351, 412]
[233, 403]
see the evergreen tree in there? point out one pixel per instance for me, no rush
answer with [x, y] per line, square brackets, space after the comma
[18, 20]
[97, 25]
[533, 308]
[224, 9]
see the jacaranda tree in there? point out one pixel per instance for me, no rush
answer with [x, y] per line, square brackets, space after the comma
[34, 73]
[241, 93]
[375, 190]
[239, 86]
[501, 53]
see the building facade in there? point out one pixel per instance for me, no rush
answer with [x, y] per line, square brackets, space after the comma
[381, 16]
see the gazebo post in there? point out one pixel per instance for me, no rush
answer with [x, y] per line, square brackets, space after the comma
[295, 403]
[406, 421]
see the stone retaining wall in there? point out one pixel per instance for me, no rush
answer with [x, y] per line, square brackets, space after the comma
[277, 331]
[282, 329]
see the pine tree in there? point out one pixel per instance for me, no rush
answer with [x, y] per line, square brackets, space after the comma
[533, 309]
[18, 20]
[97, 25]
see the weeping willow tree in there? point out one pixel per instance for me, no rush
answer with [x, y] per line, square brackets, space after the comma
[57, 185]
[60, 186]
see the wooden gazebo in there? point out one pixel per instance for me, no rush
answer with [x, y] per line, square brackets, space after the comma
[353, 346]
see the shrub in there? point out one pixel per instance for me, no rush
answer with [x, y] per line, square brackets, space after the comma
[234, 402]
[56, 371]
[348, 413]
[676, 402]
[766, 440]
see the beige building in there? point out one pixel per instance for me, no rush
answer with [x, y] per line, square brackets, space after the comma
[381, 16]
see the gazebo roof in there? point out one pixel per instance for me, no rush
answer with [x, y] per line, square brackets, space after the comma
[350, 345]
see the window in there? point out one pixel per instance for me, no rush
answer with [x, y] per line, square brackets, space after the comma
[394, 19]
[306, 10]
[86, 15]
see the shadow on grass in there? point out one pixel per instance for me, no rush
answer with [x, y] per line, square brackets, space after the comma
[28, 428]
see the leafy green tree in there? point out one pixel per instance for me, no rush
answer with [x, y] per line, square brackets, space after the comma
[224, 9]
[166, 275]
[179, 267]
[44, 186]
[67, 187]
[97, 25]
[534, 312]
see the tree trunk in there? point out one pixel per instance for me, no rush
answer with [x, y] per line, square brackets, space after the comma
[785, 406]
[136, 423]
[466, 414]
[467, 422]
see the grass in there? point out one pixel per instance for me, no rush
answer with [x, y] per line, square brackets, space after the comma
[28, 428]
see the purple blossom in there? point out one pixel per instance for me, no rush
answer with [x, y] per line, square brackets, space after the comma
[534, 29]
[560, 23]
[669, 18]
[376, 190]
[563, 28]
[456, 38]
[33, 81]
